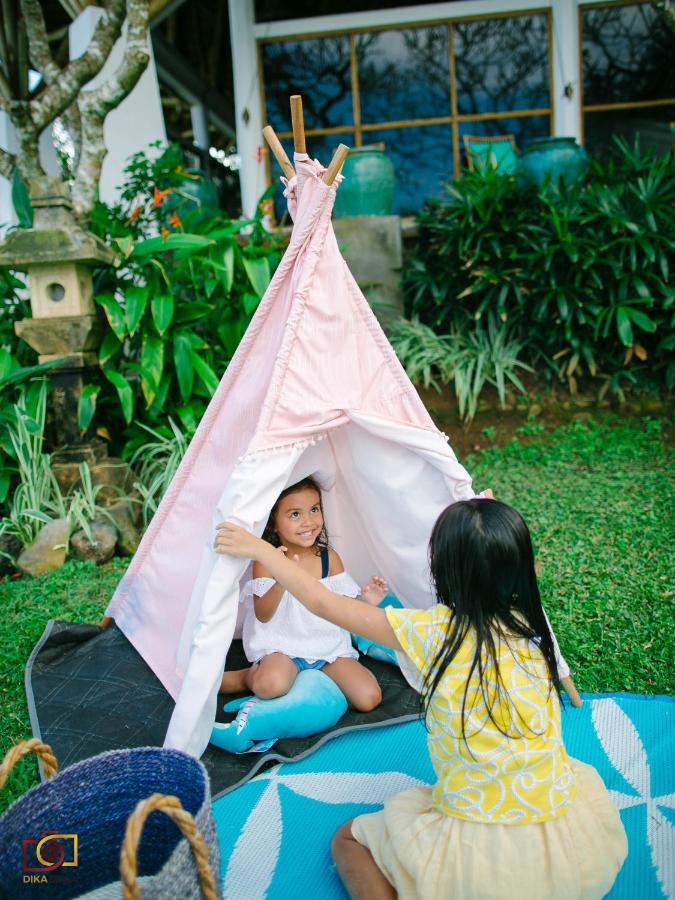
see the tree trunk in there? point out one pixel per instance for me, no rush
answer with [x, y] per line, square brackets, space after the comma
[63, 93]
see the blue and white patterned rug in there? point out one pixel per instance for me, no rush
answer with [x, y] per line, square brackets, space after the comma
[275, 831]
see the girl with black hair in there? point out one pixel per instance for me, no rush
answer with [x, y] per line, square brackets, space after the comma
[280, 636]
[510, 812]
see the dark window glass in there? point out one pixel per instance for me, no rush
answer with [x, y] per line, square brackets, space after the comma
[523, 129]
[502, 64]
[422, 158]
[403, 74]
[321, 147]
[627, 55]
[650, 125]
[320, 70]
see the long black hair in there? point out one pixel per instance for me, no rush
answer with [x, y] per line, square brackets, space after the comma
[270, 532]
[482, 566]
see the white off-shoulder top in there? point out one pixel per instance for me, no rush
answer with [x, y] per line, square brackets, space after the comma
[293, 629]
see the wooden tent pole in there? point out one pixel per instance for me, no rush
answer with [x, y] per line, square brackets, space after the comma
[298, 121]
[279, 152]
[336, 164]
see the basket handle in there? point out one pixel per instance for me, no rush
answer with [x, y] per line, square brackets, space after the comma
[34, 745]
[172, 807]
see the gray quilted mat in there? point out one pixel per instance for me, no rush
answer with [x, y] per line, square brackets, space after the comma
[89, 690]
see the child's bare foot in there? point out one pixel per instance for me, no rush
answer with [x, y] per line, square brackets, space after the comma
[234, 682]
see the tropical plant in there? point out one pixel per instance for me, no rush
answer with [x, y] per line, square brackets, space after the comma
[82, 506]
[583, 270]
[178, 304]
[19, 376]
[38, 498]
[469, 357]
[159, 460]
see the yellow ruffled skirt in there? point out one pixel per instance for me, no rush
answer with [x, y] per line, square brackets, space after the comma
[429, 855]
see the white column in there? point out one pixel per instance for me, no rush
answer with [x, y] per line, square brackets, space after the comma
[200, 126]
[566, 61]
[8, 143]
[247, 104]
[136, 122]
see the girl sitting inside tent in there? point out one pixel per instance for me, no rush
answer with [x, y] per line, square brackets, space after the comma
[510, 809]
[280, 636]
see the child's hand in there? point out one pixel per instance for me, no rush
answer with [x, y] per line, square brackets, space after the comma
[236, 541]
[284, 552]
[375, 591]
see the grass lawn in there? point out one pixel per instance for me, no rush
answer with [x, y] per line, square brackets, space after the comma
[598, 497]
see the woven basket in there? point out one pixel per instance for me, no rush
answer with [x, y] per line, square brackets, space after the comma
[143, 823]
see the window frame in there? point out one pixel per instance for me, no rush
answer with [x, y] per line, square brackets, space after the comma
[607, 107]
[358, 128]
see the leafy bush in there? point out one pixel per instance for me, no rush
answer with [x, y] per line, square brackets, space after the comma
[178, 304]
[470, 359]
[158, 460]
[582, 271]
[38, 498]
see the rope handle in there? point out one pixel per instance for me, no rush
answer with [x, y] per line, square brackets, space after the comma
[34, 745]
[172, 807]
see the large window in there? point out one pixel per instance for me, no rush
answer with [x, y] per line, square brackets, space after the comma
[628, 61]
[417, 89]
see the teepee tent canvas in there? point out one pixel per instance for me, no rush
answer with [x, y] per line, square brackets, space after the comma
[314, 389]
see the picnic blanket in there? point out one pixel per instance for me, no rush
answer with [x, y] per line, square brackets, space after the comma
[89, 690]
[274, 832]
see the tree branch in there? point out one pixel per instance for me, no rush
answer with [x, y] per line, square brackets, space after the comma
[7, 164]
[28, 154]
[666, 12]
[95, 105]
[5, 89]
[43, 60]
[58, 96]
[40, 54]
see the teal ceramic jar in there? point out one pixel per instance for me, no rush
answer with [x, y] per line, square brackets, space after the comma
[368, 186]
[194, 197]
[202, 189]
[559, 157]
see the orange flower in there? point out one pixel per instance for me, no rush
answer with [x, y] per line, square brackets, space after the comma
[159, 196]
[165, 232]
[135, 213]
[175, 221]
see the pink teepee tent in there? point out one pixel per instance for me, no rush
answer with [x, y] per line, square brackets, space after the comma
[314, 388]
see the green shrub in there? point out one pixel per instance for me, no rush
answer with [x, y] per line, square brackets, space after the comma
[581, 271]
[158, 462]
[37, 497]
[178, 304]
[469, 359]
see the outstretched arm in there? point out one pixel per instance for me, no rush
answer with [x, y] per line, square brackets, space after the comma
[563, 669]
[352, 615]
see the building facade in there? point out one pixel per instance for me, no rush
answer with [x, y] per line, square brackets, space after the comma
[419, 78]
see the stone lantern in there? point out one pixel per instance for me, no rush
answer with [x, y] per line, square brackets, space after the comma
[58, 256]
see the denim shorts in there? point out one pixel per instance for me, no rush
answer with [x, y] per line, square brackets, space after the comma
[303, 664]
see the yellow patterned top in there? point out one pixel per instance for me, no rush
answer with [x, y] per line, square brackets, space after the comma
[507, 780]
